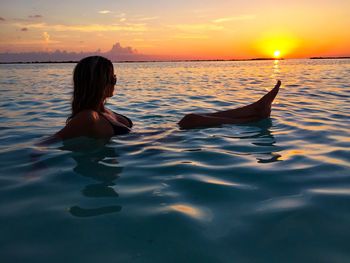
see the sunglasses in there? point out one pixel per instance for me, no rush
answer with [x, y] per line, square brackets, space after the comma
[113, 81]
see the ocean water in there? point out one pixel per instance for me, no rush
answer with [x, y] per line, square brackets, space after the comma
[273, 191]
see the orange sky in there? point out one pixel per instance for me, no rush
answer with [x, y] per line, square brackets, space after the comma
[189, 29]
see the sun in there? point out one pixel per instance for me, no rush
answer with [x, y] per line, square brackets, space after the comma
[277, 53]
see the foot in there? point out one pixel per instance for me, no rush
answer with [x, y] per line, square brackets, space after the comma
[263, 106]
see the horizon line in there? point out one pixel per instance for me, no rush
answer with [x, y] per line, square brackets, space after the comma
[174, 60]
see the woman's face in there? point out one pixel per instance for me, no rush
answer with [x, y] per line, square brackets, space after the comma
[110, 85]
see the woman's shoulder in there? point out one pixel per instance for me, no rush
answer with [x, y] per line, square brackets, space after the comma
[91, 120]
[87, 116]
[85, 123]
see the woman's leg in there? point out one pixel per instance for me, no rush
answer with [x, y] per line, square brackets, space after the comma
[258, 110]
[262, 106]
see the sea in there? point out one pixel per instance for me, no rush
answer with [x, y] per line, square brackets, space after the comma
[277, 190]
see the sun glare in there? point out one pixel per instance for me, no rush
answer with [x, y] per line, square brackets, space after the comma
[277, 53]
[276, 44]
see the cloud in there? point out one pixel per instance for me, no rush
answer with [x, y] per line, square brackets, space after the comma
[233, 18]
[24, 29]
[2, 19]
[104, 12]
[46, 37]
[136, 18]
[147, 18]
[132, 27]
[189, 36]
[198, 27]
[35, 16]
[118, 49]
[116, 53]
[120, 15]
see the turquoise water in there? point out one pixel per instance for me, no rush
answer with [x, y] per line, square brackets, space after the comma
[273, 191]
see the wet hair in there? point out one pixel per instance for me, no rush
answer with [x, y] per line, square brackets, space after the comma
[90, 79]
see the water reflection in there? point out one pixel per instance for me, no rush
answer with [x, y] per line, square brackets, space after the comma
[275, 157]
[189, 210]
[83, 212]
[276, 69]
[269, 141]
[265, 140]
[98, 161]
[99, 190]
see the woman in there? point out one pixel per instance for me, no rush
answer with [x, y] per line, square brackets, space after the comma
[94, 82]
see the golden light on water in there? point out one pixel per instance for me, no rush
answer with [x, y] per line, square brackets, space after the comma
[192, 211]
[188, 210]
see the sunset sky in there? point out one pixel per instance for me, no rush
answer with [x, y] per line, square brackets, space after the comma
[181, 29]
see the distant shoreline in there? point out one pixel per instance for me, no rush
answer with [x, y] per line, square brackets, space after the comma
[329, 57]
[152, 61]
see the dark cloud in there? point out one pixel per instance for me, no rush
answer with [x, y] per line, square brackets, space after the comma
[2, 19]
[35, 16]
[121, 53]
[117, 53]
[24, 29]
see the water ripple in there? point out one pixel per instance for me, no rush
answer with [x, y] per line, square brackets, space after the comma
[277, 188]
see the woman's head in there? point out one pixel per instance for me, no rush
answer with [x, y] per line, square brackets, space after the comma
[93, 81]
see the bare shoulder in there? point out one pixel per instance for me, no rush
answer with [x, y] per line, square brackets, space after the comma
[86, 117]
[85, 123]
